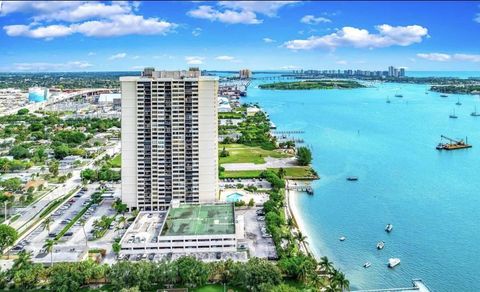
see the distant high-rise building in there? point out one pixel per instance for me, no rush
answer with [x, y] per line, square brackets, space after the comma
[245, 74]
[402, 72]
[390, 71]
[169, 138]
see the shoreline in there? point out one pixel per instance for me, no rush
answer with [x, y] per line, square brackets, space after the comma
[294, 213]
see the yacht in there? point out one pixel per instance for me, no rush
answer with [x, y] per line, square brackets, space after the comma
[389, 228]
[453, 115]
[388, 100]
[458, 102]
[352, 178]
[443, 95]
[399, 95]
[392, 262]
[475, 113]
[367, 265]
[380, 245]
[342, 238]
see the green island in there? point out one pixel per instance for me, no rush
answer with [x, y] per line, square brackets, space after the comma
[457, 89]
[313, 84]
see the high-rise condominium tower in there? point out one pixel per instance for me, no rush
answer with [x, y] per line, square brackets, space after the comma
[169, 138]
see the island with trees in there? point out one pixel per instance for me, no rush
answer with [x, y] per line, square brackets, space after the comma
[457, 88]
[313, 84]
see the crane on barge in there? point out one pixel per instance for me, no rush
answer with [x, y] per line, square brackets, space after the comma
[452, 144]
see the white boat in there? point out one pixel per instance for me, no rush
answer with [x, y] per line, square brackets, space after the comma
[388, 228]
[380, 245]
[453, 115]
[392, 262]
[475, 113]
[458, 102]
[342, 238]
[367, 265]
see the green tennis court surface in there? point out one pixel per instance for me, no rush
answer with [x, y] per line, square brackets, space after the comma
[199, 220]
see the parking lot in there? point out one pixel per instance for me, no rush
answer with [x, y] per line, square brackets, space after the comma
[72, 246]
[259, 183]
[258, 240]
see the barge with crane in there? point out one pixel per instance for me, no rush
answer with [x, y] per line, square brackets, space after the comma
[452, 144]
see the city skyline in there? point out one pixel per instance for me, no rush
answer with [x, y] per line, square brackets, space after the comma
[124, 36]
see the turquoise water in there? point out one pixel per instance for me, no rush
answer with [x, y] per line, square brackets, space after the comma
[233, 198]
[432, 198]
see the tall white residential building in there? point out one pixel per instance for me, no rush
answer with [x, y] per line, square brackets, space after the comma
[169, 138]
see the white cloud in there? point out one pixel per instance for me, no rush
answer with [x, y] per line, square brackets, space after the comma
[361, 38]
[269, 40]
[43, 66]
[194, 60]
[467, 57]
[440, 57]
[477, 18]
[118, 56]
[95, 19]
[225, 58]
[91, 53]
[238, 12]
[341, 62]
[196, 32]
[268, 8]
[227, 16]
[136, 57]
[310, 19]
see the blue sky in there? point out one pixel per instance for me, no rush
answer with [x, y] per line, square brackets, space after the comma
[104, 36]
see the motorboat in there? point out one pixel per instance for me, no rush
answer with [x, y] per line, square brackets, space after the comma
[393, 262]
[443, 95]
[399, 95]
[352, 178]
[367, 265]
[380, 245]
[342, 238]
[388, 100]
[389, 228]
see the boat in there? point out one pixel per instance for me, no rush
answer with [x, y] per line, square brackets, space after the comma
[399, 95]
[453, 115]
[388, 100]
[393, 262]
[380, 245]
[342, 238]
[389, 228]
[352, 178]
[458, 102]
[443, 95]
[453, 144]
[367, 265]
[475, 113]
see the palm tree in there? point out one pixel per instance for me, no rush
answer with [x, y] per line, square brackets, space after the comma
[302, 239]
[340, 280]
[326, 264]
[317, 281]
[24, 259]
[47, 223]
[82, 223]
[48, 246]
[290, 223]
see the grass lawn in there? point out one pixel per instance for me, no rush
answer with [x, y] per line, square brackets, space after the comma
[245, 154]
[116, 161]
[291, 172]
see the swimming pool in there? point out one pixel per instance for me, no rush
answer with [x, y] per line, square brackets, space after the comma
[234, 197]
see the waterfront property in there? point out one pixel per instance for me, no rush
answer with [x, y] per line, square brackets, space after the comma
[169, 138]
[183, 228]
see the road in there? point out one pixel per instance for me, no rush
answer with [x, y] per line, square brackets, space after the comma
[29, 213]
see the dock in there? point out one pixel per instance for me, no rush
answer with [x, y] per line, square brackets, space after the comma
[298, 188]
[417, 286]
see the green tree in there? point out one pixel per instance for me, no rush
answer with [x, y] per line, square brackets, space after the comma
[13, 184]
[25, 274]
[304, 156]
[67, 277]
[326, 265]
[48, 246]
[47, 223]
[22, 111]
[224, 153]
[251, 203]
[88, 175]
[19, 152]
[192, 272]
[53, 168]
[8, 235]
[116, 247]
[257, 272]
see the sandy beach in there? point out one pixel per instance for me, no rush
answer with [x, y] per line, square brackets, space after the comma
[295, 211]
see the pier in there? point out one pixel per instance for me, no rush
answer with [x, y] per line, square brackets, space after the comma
[417, 286]
[300, 188]
[292, 132]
